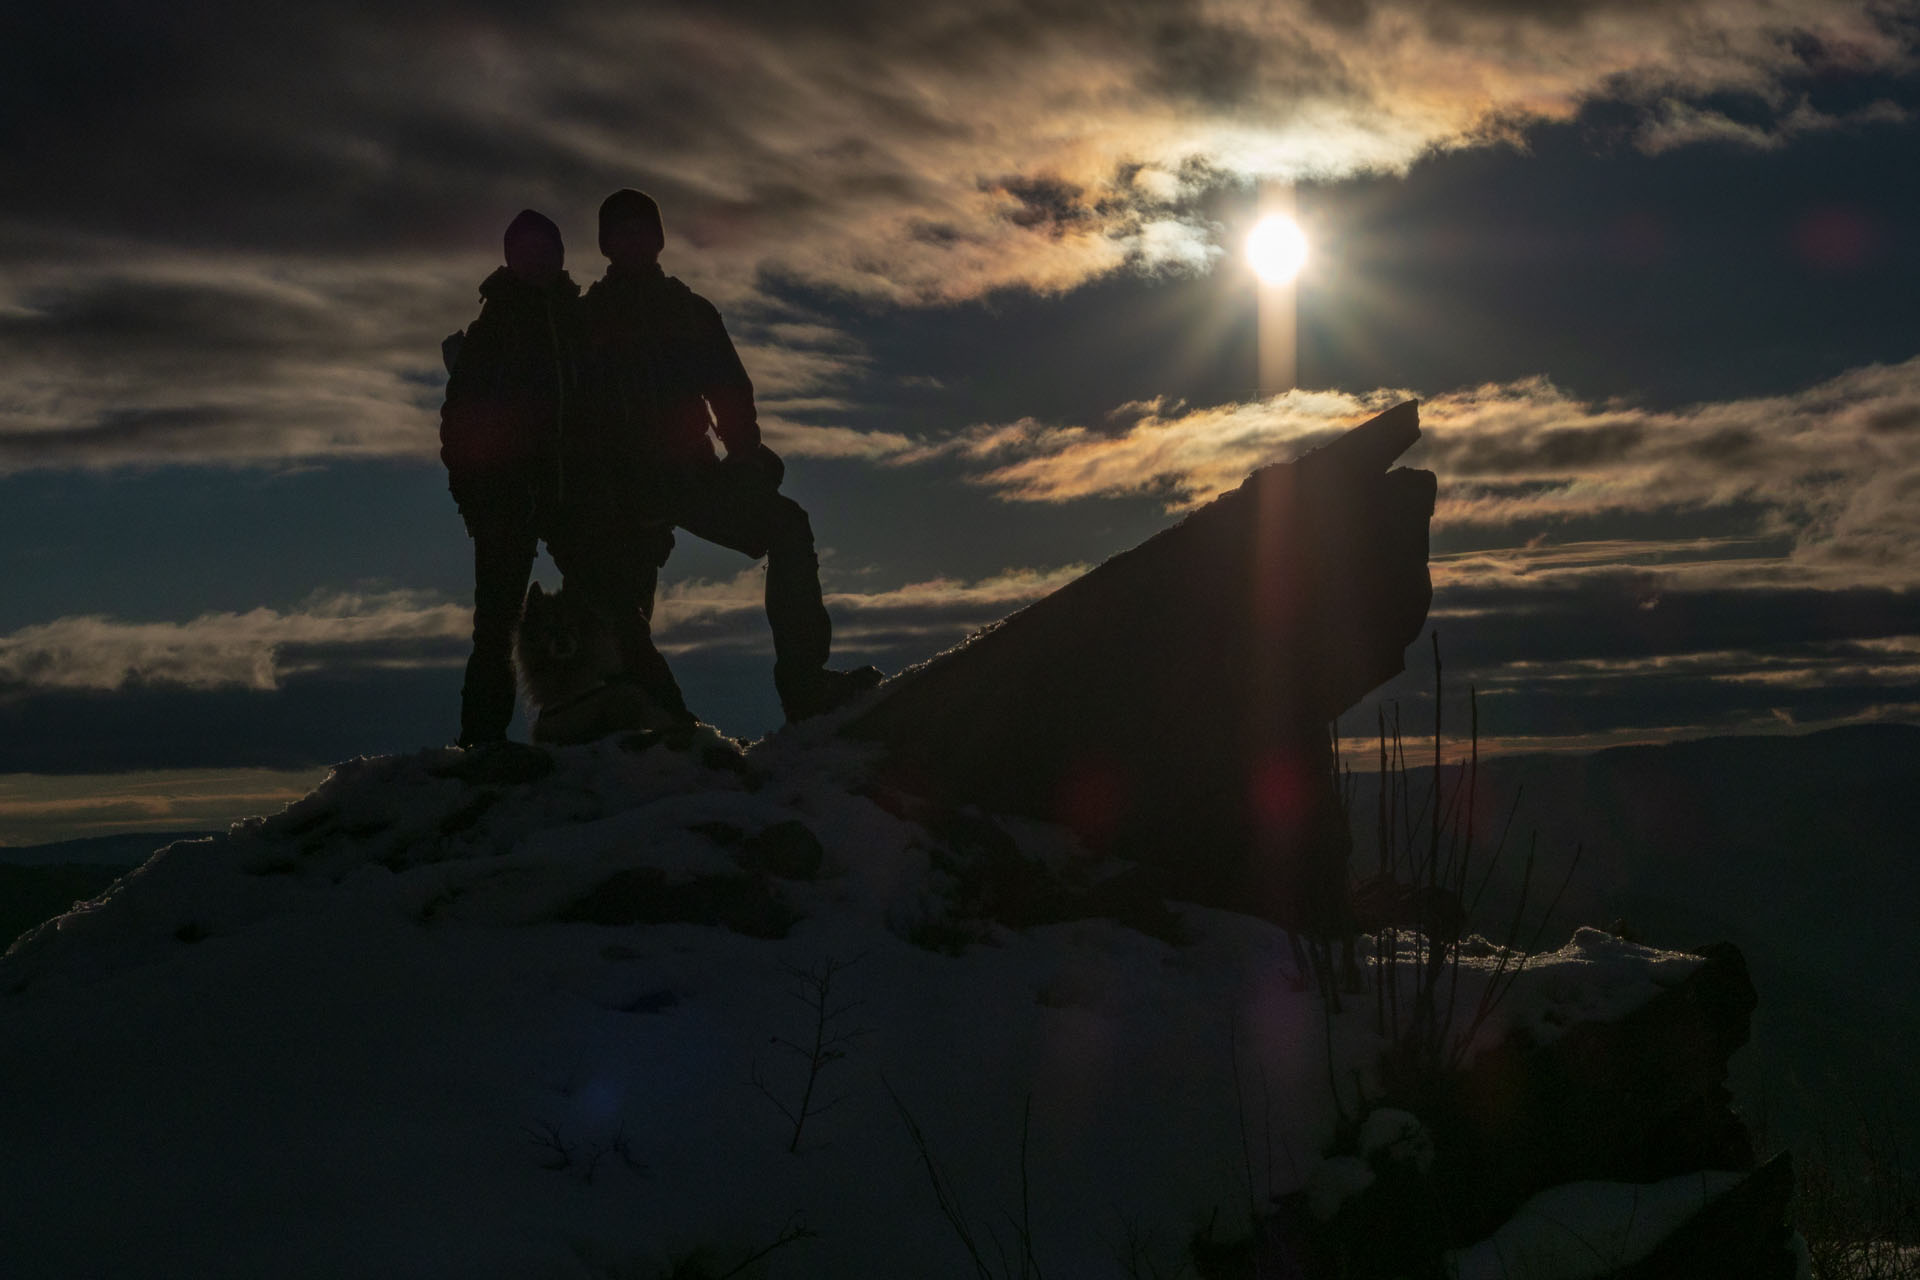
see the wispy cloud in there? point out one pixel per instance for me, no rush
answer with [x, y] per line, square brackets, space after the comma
[917, 618]
[254, 650]
[36, 808]
[1834, 469]
[1581, 656]
[804, 440]
[1183, 455]
[262, 649]
[1677, 123]
[211, 358]
[263, 268]
[1595, 641]
[203, 357]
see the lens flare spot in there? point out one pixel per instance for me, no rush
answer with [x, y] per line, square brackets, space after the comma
[1092, 801]
[1278, 793]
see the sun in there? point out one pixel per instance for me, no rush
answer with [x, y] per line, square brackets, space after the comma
[1277, 249]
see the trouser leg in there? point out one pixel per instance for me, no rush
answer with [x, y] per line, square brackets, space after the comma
[796, 614]
[740, 510]
[652, 545]
[502, 562]
[619, 574]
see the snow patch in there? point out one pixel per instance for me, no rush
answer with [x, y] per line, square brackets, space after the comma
[1588, 1229]
[378, 1033]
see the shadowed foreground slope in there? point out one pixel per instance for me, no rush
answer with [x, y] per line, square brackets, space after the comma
[660, 1009]
[425, 1025]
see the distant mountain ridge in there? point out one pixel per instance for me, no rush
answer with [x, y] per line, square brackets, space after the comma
[1803, 850]
[1888, 749]
[40, 881]
[126, 849]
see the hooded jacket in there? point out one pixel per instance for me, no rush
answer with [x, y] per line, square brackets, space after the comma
[512, 395]
[663, 371]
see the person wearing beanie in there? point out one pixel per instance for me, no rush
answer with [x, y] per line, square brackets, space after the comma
[665, 380]
[513, 392]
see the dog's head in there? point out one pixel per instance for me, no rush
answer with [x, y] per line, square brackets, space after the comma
[549, 628]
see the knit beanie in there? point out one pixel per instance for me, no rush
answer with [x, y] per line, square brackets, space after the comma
[528, 223]
[628, 205]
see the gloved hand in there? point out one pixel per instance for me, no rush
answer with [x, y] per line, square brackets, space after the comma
[760, 460]
[450, 348]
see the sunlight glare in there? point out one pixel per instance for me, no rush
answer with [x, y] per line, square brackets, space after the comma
[1277, 249]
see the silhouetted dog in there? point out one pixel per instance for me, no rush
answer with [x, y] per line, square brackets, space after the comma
[571, 675]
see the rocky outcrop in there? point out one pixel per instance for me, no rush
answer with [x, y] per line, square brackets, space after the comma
[1634, 1100]
[1171, 706]
[1743, 1235]
[1636, 1105]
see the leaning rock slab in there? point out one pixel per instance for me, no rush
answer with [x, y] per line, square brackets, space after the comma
[1171, 706]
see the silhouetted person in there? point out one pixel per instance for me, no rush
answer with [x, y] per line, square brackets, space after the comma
[510, 380]
[514, 394]
[664, 372]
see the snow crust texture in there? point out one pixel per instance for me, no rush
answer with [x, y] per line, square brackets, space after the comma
[1589, 1229]
[662, 1003]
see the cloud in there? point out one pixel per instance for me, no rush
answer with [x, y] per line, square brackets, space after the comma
[309, 720]
[912, 621]
[1613, 639]
[1834, 469]
[257, 650]
[203, 357]
[1562, 589]
[341, 635]
[263, 267]
[1676, 123]
[36, 808]
[1561, 643]
[799, 440]
[200, 358]
[1603, 615]
[1588, 644]
[1579, 665]
[345, 675]
[1156, 448]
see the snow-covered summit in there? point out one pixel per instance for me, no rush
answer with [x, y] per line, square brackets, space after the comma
[659, 1003]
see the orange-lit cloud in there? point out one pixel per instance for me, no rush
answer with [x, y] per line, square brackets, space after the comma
[1835, 467]
[34, 807]
[955, 149]
[264, 268]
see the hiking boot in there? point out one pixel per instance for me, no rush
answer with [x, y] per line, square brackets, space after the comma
[818, 692]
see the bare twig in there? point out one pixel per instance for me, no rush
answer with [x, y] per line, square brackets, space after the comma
[1137, 1256]
[943, 1192]
[949, 1202]
[794, 1230]
[1029, 1266]
[559, 1150]
[828, 1043]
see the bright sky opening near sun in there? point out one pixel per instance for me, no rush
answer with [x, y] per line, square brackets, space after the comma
[996, 276]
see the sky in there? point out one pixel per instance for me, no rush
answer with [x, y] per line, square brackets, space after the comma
[1650, 267]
